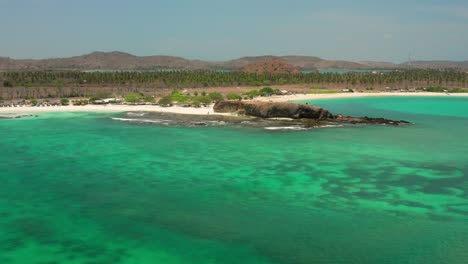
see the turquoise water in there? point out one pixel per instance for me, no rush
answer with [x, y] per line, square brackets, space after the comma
[84, 188]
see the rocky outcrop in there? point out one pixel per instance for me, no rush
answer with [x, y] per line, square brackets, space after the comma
[296, 111]
[273, 110]
[368, 120]
[14, 116]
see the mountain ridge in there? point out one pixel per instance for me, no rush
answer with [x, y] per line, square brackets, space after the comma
[117, 60]
[271, 66]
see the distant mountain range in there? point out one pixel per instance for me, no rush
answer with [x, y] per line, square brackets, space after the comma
[271, 66]
[124, 61]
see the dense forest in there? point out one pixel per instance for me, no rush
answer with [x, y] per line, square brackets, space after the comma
[71, 83]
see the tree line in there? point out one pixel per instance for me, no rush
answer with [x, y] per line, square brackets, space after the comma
[197, 79]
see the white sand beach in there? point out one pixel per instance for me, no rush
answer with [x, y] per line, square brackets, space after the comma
[303, 97]
[109, 108]
[202, 110]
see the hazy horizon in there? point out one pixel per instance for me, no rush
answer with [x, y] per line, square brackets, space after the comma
[212, 31]
[228, 59]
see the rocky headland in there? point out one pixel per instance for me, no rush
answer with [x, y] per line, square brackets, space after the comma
[296, 112]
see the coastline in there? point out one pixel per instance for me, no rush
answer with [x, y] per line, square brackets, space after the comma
[304, 97]
[110, 108]
[204, 110]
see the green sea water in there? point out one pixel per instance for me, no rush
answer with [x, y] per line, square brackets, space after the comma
[85, 188]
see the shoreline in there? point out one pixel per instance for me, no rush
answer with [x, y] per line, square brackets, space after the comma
[206, 110]
[304, 97]
[110, 108]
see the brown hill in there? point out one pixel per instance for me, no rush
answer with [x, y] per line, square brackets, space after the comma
[105, 61]
[379, 64]
[271, 66]
[242, 62]
[124, 61]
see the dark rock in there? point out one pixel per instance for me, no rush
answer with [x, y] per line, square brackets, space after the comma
[296, 111]
[199, 124]
[13, 116]
[273, 110]
[369, 120]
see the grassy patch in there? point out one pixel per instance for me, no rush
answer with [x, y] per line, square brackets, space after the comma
[324, 92]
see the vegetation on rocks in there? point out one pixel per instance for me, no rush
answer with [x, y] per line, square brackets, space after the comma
[216, 96]
[165, 101]
[64, 101]
[180, 97]
[133, 98]
[233, 96]
[81, 102]
[199, 100]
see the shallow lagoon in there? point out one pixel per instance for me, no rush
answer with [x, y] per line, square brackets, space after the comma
[84, 188]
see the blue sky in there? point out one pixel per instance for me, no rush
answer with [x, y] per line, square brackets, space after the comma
[220, 30]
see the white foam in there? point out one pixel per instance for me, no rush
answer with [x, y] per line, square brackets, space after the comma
[136, 120]
[286, 128]
[135, 114]
[219, 123]
[297, 128]
[325, 126]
